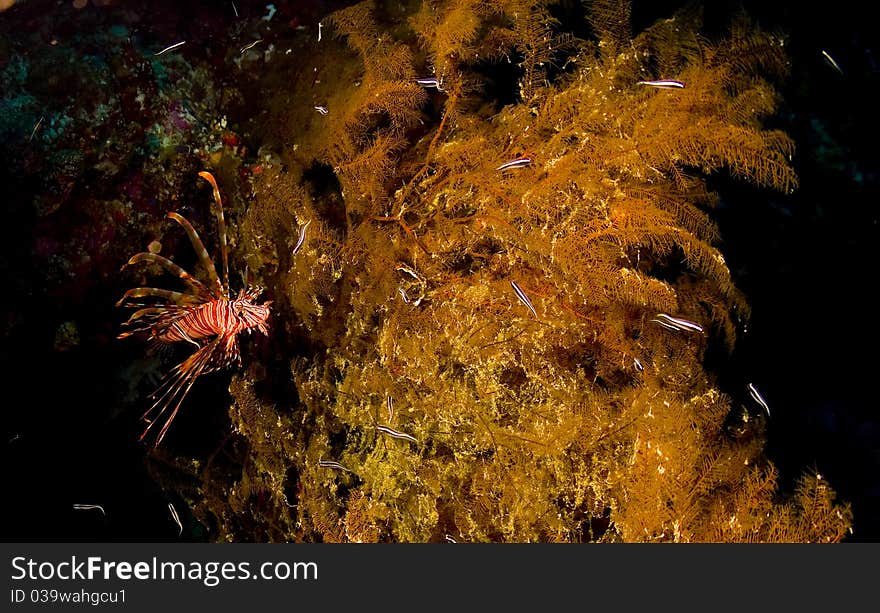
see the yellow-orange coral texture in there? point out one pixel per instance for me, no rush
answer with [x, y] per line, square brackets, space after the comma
[485, 354]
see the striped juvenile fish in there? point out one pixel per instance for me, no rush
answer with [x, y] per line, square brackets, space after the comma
[520, 162]
[170, 47]
[677, 324]
[176, 518]
[36, 127]
[523, 298]
[430, 82]
[302, 237]
[663, 83]
[396, 434]
[756, 396]
[251, 45]
[332, 464]
[831, 61]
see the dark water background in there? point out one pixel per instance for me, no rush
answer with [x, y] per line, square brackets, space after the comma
[806, 262]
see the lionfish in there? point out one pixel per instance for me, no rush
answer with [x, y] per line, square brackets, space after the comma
[205, 315]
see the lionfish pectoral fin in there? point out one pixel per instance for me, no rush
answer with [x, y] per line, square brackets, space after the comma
[175, 388]
[153, 319]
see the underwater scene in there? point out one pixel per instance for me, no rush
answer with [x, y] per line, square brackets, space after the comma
[444, 271]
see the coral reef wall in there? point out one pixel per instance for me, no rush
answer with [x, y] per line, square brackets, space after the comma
[496, 327]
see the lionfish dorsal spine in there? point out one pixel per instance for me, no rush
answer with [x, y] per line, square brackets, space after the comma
[197, 286]
[221, 225]
[179, 298]
[202, 253]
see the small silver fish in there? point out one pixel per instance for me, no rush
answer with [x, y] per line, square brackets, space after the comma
[520, 162]
[332, 464]
[176, 518]
[251, 45]
[663, 83]
[302, 237]
[396, 434]
[523, 298]
[430, 82]
[831, 61]
[756, 396]
[36, 127]
[170, 47]
[677, 324]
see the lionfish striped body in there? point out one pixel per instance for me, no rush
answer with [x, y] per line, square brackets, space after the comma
[206, 316]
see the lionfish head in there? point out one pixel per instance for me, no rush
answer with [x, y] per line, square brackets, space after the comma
[250, 314]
